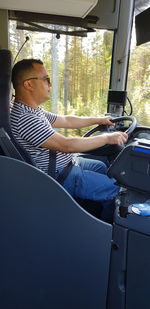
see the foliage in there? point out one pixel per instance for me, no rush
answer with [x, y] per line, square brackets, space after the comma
[139, 83]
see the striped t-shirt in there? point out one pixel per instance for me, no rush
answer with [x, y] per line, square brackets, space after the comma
[32, 127]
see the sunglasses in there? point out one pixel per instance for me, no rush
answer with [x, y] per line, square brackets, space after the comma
[39, 78]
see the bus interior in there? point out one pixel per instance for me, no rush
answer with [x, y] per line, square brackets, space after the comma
[55, 252]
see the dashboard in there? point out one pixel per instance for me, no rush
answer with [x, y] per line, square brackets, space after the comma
[140, 132]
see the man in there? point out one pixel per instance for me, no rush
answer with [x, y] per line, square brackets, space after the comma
[34, 129]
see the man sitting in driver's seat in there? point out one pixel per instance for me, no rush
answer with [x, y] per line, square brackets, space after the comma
[34, 128]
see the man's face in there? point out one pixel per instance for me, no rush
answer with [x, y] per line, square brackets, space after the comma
[40, 83]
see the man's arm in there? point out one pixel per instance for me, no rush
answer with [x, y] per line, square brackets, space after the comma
[64, 144]
[74, 122]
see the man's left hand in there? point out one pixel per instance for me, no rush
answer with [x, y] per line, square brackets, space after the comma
[106, 120]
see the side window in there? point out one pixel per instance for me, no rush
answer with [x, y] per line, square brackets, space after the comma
[139, 80]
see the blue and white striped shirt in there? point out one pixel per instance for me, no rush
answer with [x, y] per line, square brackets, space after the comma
[32, 127]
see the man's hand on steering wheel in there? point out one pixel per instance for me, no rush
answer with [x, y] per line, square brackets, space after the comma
[106, 120]
[116, 138]
[113, 138]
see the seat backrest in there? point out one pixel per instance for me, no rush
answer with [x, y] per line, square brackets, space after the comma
[7, 148]
[5, 99]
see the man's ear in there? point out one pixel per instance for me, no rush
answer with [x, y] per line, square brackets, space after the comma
[27, 85]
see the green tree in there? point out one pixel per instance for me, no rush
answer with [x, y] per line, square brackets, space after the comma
[139, 81]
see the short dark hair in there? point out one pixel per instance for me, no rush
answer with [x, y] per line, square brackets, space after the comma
[21, 67]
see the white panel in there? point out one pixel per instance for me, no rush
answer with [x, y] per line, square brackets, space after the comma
[76, 8]
[107, 11]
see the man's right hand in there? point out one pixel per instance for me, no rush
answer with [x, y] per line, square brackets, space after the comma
[117, 138]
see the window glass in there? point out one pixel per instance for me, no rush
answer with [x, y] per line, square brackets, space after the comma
[79, 68]
[139, 81]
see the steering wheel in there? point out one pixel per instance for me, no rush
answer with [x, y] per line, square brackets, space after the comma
[105, 128]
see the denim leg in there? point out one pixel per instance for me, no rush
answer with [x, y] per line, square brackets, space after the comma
[95, 186]
[87, 184]
[88, 180]
[92, 165]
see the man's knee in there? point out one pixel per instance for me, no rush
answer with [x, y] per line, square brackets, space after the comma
[92, 165]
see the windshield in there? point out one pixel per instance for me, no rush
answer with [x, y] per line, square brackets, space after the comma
[79, 68]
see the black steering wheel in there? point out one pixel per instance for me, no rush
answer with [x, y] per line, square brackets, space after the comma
[105, 128]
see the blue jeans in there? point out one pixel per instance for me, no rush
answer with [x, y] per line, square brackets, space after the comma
[88, 180]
